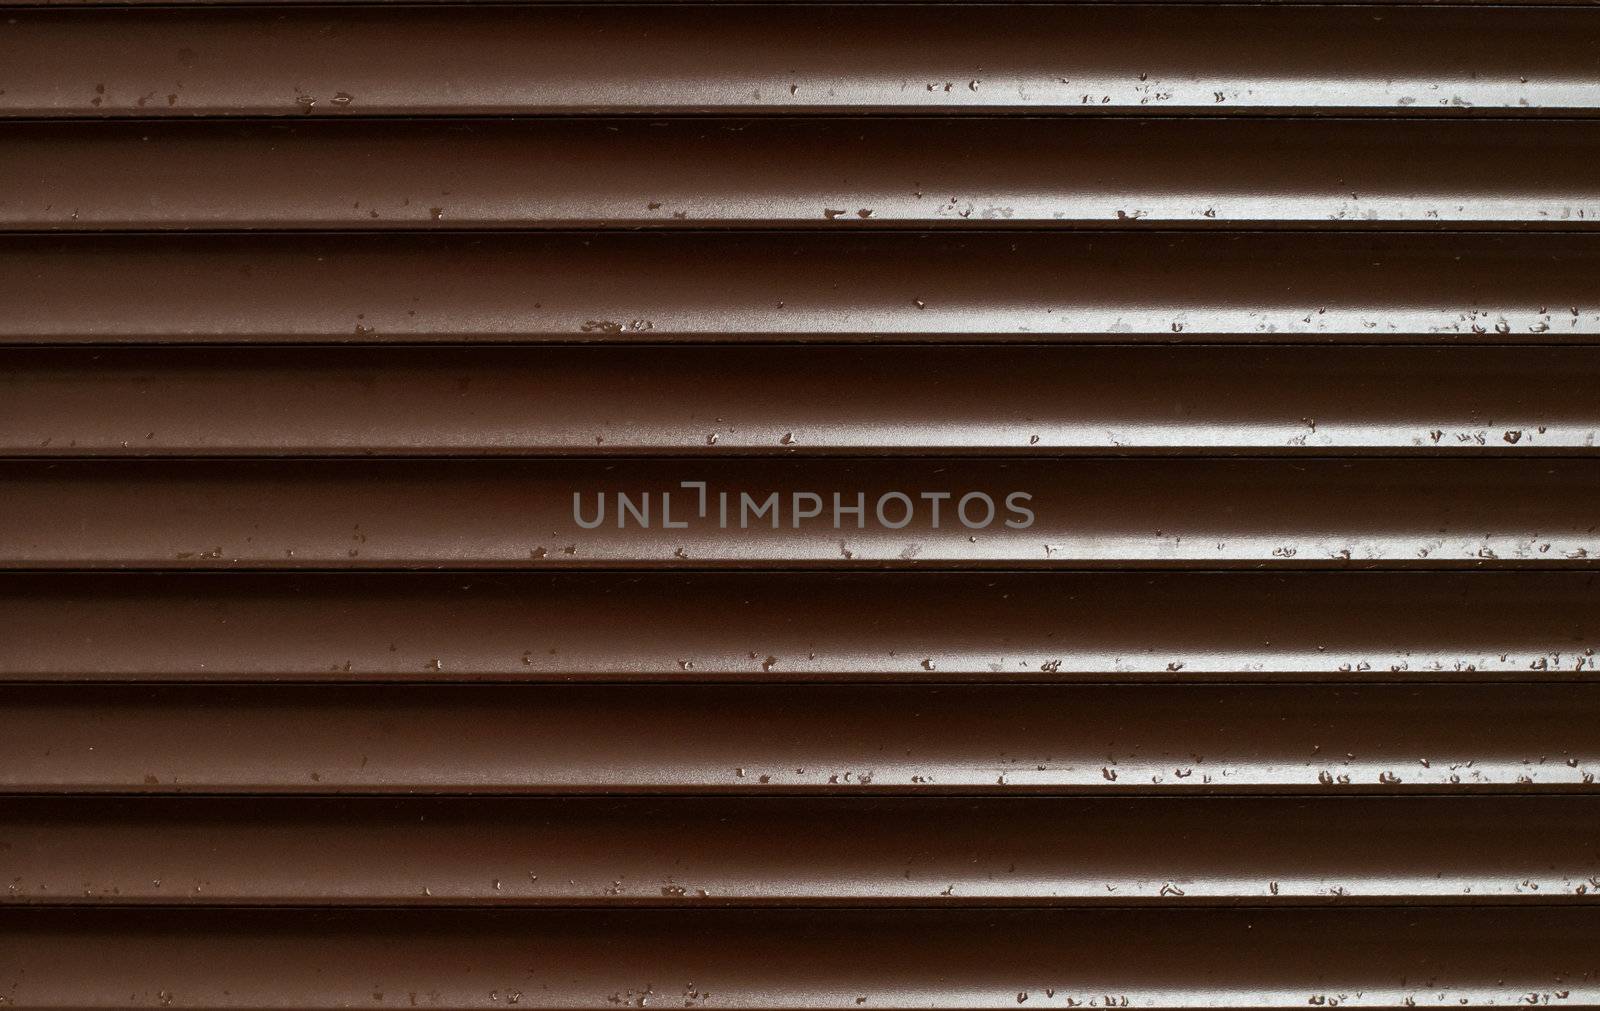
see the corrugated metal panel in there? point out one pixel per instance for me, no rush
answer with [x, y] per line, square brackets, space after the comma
[1308, 292]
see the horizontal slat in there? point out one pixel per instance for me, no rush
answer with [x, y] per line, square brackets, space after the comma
[616, 287]
[632, 401]
[817, 738]
[724, 58]
[1347, 627]
[812, 173]
[997, 959]
[694, 513]
[835, 851]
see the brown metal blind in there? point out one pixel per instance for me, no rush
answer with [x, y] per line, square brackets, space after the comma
[785, 506]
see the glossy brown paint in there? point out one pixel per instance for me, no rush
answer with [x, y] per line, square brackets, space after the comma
[1283, 787]
[781, 739]
[860, 286]
[1167, 513]
[797, 959]
[832, 174]
[776, 851]
[800, 627]
[500, 60]
[808, 401]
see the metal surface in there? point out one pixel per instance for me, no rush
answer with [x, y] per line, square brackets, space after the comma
[802, 173]
[1207, 60]
[1215, 383]
[790, 626]
[775, 851]
[809, 401]
[830, 739]
[1283, 288]
[810, 513]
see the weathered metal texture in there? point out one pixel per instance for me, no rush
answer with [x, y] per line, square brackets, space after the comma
[790, 626]
[829, 513]
[1169, 287]
[992, 959]
[808, 401]
[1209, 59]
[831, 739]
[776, 851]
[802, 173]
[1175, 287]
